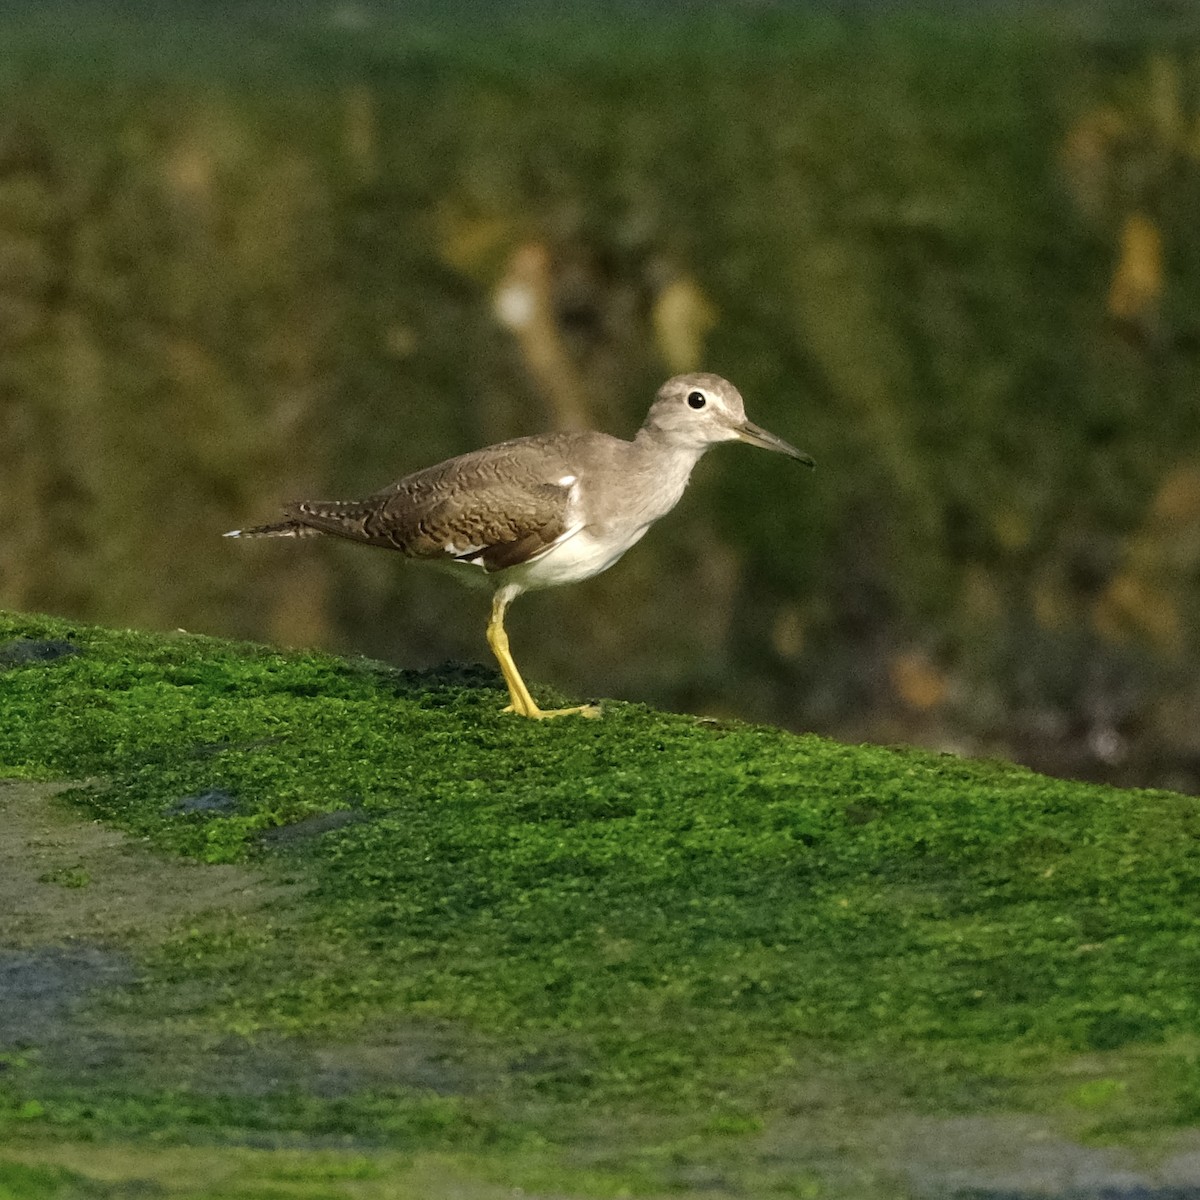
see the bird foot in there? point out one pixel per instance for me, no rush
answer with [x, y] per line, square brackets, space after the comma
[582, 710]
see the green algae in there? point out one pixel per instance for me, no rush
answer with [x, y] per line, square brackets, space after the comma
[643, 914]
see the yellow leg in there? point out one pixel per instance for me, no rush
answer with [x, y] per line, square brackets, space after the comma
[522, 702]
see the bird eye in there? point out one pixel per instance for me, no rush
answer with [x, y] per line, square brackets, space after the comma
[696, 400]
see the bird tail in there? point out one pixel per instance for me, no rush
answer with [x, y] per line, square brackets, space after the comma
[310, 518]
[280, 529]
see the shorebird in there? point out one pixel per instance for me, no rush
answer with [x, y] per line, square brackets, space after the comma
[541, 511]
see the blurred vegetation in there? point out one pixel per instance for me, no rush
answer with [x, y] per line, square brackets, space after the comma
[281, 253]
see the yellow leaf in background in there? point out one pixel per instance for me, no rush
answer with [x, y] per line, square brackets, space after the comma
[787, 632]
[1087, 158]
[400, 340]
[1178, 499]
[471, 243]
[1137, 281]
[1011, 529]
[683, 317]
[918, 682]
[1131, 605]
[523, 301]
[190, 170]
[1153, 593]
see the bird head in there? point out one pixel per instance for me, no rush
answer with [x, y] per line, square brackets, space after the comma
[700, 409]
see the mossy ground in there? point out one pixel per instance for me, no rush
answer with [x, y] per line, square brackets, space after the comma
[636, 953]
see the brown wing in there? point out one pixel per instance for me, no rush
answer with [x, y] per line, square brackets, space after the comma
[500, 506]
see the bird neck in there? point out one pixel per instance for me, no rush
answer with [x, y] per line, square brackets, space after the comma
[661, 466]
[668, 450]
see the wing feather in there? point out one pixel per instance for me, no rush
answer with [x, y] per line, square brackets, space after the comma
[498, 507]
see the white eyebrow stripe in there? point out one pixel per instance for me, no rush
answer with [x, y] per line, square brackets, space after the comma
[566, 481]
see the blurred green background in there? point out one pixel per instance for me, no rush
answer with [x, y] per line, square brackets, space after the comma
[258, 252]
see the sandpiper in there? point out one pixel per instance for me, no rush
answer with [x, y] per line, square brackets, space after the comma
[541, 511]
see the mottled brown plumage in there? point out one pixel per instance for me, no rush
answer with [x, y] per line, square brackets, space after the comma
[498, 507]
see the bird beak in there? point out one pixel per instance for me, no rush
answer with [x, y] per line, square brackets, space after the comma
[755, 435]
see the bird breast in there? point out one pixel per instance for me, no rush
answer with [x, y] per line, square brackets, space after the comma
[600, 530]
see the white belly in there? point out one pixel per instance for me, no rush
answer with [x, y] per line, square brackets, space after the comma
[577, 557]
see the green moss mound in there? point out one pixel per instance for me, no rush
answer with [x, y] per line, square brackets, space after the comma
[645, 913]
